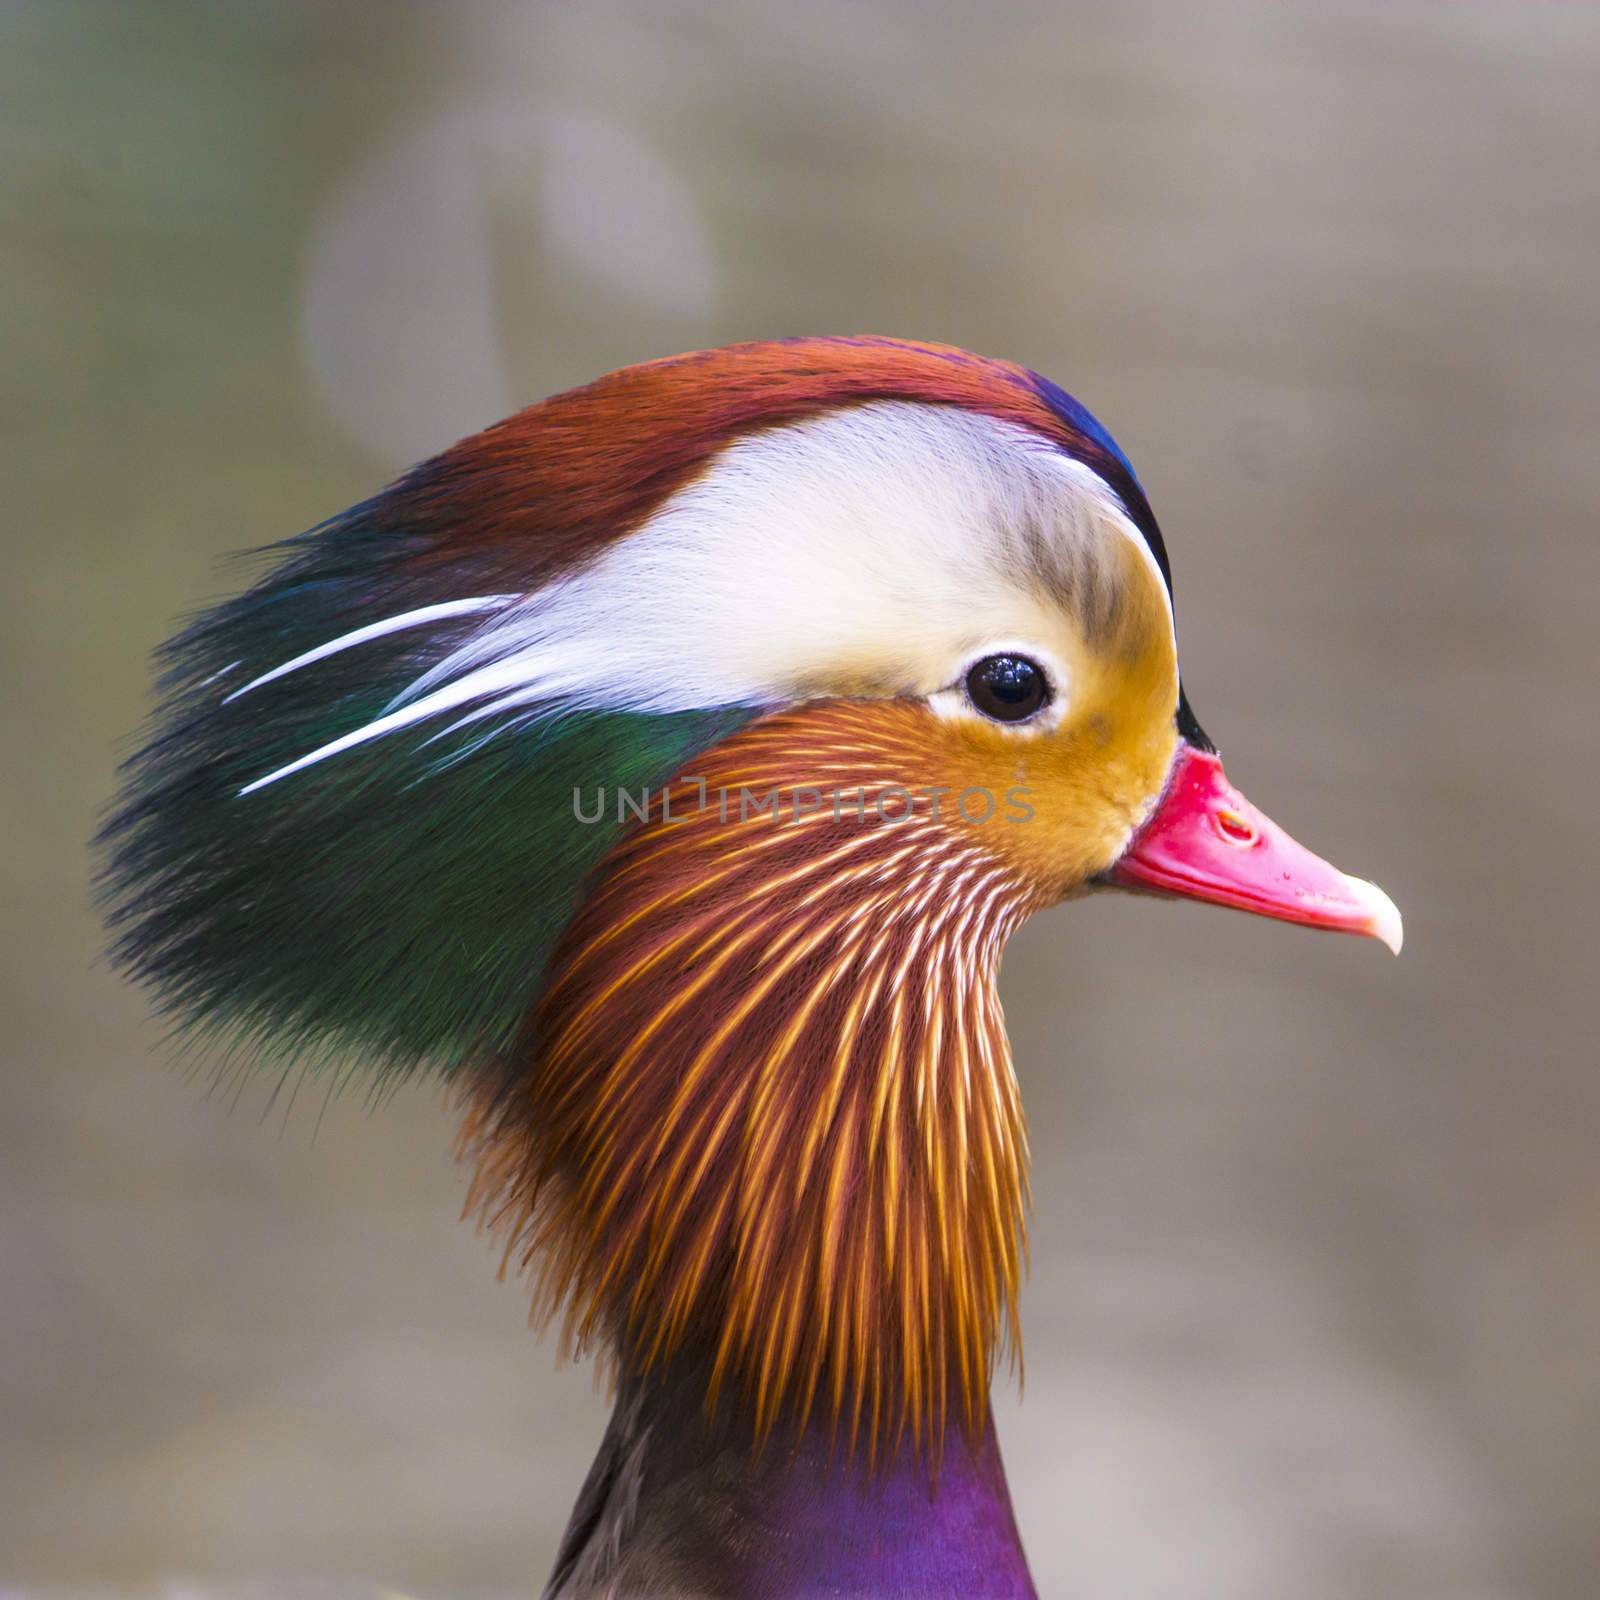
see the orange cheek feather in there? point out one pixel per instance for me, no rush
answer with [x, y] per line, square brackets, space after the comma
[1087, 785]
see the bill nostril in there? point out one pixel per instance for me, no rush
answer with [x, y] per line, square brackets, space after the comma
[1233, 827]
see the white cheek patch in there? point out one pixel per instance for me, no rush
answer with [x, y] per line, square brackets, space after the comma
[881, 544]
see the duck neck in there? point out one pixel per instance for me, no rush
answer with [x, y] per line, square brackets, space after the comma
[679, 1503]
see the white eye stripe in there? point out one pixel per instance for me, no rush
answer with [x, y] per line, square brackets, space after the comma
[867, 544]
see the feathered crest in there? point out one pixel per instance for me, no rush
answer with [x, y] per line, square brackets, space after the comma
[399, 902]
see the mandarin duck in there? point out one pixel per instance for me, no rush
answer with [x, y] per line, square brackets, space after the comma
[665, 768]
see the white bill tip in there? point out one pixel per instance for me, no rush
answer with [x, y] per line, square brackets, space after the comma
[1383, 915]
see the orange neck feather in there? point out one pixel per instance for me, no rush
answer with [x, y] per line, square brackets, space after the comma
[764, 1112]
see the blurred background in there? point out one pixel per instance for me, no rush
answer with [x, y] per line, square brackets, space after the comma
[1314, 1307]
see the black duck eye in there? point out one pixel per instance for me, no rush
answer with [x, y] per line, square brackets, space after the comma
[1008, 688]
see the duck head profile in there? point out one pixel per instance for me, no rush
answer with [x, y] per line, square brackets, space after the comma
[665, 768]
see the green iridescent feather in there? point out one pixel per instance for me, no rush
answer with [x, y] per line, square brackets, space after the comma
[396, 902]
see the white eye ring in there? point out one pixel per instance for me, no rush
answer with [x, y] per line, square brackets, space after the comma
[956, 698]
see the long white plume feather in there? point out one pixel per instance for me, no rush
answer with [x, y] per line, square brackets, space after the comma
[376, 630]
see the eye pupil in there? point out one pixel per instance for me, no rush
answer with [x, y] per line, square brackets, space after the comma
[1007, 688]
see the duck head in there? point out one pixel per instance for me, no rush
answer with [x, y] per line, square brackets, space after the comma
[667, 767]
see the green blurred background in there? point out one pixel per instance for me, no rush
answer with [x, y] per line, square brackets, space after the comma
[1314, 1308]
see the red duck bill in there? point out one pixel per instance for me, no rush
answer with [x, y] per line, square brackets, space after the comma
[1205, 841]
